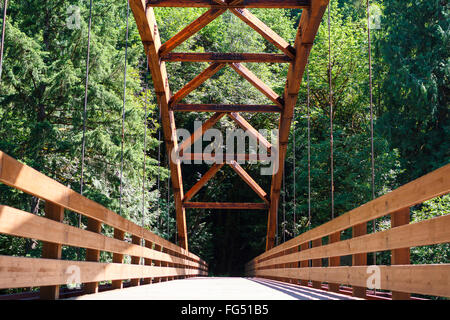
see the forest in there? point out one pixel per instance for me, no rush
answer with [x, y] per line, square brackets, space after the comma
[42, 95]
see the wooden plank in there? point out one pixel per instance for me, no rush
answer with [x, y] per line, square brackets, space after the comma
[309, 24]
[148, 29]
[190, 30]
[304, 263]
[225, 57]
[23, 224]
[226, 108]
[196, 82]
[118, 258]
[206, 177]
[359, 259]
[51, 250]
[264, 31]
[198, 133]
[225, 206]
[225, 157]
[257, 83]
[92, 255]
[315, 263]
[147, 262]
[22, 177]
[249, 180]
[334, 261]
[400, 256]
[432, 185]
[291, 4]
[18, 272]
[427, 232]
[236, 117]
[432, 279]
[135, 260]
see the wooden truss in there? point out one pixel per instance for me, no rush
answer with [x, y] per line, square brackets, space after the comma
[297, 57]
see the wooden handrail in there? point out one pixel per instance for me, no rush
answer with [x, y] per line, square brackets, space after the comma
[163, 259]
[282, 262]
[432, 185]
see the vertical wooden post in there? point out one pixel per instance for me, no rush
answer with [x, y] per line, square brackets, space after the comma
[167, 264]
[317, 263]
[51, 250]
[148, 262]
[118, 258]
[334, 261]
[359, 259]
[157, 263]
[135, 260]
[400, 256]
[92, 255]
[304, 263]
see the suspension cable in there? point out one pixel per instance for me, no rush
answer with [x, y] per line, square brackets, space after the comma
[309, 143]
[369, 41]
[145, 145]
[168, 199]
[83, 146]
[284, 204]
[159, 167]
[331, 112]
[2, 45]
[83, 143]
[123, 109]
[294, 233]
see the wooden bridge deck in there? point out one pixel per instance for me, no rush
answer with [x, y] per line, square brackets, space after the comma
[217, 289]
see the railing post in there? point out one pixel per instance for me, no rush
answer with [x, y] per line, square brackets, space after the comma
[304, 263]
[400, 256]
[334, 261]
[167, 264]
[92, 255]
[317, 263]
[157, 263]
[51, 250]
[148, 262]
[118, 258]
[135, 260]
[359, 259]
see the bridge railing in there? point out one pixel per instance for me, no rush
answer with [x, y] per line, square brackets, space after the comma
[302, 259]
[153, 258]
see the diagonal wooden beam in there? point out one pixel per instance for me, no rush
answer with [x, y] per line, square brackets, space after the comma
[309, 25]
[200, 131]
[225, 57]
[190, 30]
[196, 82]
[291, 4]
[249, 180]
[257, 83]
[148, 30]
[226, 108]
[206, 177]
[264, 31]
[236, 117]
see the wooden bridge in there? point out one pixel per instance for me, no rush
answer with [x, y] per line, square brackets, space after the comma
[306, 267]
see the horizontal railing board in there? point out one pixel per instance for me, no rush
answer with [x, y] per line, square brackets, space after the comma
[22, 177]
[18, 272]
[433, 279]
[434, 184]
[427, 232]
[23, 224]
